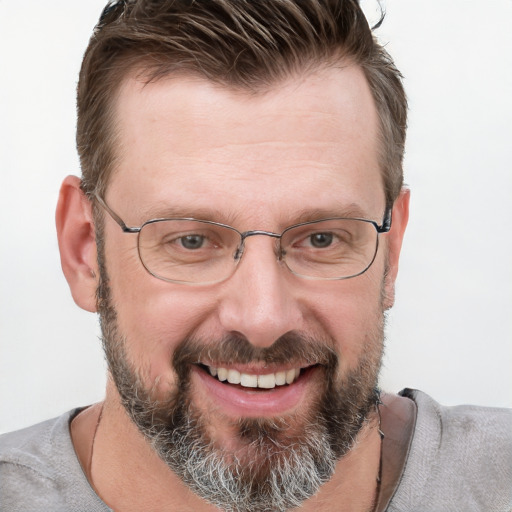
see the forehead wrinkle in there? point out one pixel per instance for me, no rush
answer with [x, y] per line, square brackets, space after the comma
[265, 154]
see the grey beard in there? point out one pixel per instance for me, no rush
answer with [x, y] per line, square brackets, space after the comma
[275, 471]
[290, 473]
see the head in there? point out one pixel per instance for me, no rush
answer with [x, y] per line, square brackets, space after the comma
[259, 115]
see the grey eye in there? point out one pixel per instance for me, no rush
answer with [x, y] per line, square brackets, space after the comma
[192, 241]
[321, 240]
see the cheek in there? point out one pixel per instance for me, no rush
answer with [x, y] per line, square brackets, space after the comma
[350, 313]
[153, 316]
[154, 325]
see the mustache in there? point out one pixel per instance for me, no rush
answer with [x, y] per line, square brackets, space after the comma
[292, 347]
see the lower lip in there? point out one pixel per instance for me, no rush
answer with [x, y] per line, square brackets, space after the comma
[237, 401]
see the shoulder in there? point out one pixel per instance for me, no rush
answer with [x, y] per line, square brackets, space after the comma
[479, 432]
[485, 426]
[39, 469]
[27, 463]
[460, 458]
[32, 447]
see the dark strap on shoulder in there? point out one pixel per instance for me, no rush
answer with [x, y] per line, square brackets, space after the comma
[398, 419]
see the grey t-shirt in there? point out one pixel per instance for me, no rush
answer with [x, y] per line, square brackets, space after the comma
[39, 471]
[460, 460]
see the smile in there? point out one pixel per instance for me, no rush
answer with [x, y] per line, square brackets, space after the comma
[249, 380]
[251, 391]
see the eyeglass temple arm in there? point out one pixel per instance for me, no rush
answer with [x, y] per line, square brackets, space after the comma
[386, 222]
[114, 215]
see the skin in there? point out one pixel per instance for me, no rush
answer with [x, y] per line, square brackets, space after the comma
[254, 162]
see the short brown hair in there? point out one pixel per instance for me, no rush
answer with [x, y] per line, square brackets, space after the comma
[247, 44]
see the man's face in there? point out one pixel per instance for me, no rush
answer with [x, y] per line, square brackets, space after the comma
[304, 150]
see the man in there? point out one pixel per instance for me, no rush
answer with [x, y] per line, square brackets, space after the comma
[238, 227]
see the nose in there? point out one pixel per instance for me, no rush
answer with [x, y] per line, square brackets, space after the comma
[260, 300]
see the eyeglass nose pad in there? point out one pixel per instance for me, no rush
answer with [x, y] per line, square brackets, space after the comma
[239, 252]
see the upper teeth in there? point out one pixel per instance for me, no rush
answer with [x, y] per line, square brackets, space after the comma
[248, 380]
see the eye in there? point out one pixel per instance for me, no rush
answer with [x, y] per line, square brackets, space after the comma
[326, 238]
[192, 242]
[321, 240]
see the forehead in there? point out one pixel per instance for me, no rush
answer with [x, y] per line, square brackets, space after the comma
[307, 143]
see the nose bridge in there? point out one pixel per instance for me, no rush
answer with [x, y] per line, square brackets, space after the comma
[247, 234]
[258, 301]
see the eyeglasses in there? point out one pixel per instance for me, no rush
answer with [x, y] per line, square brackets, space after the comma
[192, 251]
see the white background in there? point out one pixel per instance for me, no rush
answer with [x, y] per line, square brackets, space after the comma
[450, 332]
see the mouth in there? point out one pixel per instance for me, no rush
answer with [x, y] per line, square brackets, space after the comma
[254, 391]
[255, 380]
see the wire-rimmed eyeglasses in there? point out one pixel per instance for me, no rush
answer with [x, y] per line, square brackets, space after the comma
[194, 251]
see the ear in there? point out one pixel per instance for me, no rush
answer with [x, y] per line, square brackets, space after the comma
[77, 244]
[395, 237]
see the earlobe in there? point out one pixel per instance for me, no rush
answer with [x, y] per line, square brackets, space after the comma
[77, 244]
[395, 238]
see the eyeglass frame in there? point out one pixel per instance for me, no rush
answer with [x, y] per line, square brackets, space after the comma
[382, 228]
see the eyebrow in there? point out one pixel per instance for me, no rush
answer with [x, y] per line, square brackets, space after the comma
[352, 210]
[200, 213]
[231, 218]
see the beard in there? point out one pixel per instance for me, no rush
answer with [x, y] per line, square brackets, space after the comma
[281, 461]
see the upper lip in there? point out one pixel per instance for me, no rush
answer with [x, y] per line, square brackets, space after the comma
[256, 368]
